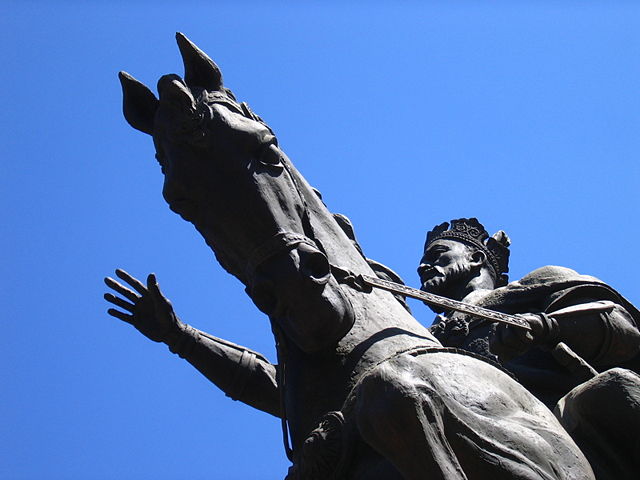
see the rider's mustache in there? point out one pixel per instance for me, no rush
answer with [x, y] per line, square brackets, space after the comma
[432, 277]
[432, 271]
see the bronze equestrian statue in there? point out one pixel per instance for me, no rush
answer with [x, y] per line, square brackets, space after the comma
[363, 390]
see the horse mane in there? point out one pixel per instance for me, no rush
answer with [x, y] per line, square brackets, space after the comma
[381, 270]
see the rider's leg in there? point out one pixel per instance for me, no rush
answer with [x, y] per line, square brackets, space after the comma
[404, 425]
[450, 416]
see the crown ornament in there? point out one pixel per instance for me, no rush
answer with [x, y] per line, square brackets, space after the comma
[473, 233]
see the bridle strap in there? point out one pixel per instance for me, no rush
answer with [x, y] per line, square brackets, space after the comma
[279, 242]
[281, 352]
[350, 279]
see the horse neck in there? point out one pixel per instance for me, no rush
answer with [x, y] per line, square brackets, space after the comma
[318, 383]
[325, 230]
[382, 325]
[315, 384]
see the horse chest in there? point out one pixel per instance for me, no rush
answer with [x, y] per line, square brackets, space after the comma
[313, 387]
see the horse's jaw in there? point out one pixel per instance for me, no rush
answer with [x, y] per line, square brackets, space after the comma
[215, 238]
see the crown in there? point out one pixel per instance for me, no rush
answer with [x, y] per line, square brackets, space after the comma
[472, 232]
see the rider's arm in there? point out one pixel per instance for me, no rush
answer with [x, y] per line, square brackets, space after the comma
[601, 332]
[240, 373]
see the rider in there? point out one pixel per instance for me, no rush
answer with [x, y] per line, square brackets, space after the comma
[579, 325]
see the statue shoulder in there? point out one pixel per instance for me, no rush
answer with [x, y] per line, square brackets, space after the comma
[563, 286]
[536, 290]
[551, 274]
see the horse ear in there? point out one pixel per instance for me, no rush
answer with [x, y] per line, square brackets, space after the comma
[139, 104]
[199, 69]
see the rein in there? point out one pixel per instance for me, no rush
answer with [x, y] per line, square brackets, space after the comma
[281, 353]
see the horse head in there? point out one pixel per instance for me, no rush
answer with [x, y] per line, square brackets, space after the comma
[224, 172]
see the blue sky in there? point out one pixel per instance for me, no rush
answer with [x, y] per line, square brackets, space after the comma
[524, 114]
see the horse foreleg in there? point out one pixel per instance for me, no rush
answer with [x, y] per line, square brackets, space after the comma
[405, 426]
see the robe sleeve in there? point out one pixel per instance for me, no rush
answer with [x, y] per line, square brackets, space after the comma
[240, 373]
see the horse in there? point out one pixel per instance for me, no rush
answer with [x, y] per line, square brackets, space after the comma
[366, 391]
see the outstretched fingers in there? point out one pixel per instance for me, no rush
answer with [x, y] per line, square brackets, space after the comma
[134, 282]
[132, 297]
[122, 316]
[122, 290]
[118, 302]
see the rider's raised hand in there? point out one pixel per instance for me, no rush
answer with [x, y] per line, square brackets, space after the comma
[145, 307]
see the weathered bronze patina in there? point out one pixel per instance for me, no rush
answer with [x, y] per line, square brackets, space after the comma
[363, 389]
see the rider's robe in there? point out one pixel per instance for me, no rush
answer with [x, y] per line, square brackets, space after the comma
[602, 329]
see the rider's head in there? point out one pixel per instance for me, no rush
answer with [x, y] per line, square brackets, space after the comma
[461, 257]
